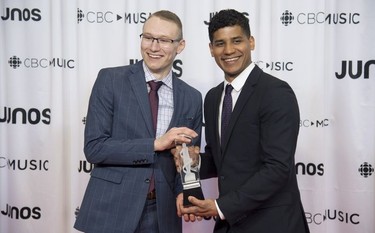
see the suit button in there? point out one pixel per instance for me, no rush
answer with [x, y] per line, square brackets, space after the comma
[222, 177]
[147, 180]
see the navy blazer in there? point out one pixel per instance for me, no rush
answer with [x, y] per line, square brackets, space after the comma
[258, 191]
[119, 141]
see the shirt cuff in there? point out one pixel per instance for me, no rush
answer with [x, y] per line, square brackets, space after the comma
[221, 215]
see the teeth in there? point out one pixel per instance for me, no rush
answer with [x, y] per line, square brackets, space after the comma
[231, 59]
[154, 56]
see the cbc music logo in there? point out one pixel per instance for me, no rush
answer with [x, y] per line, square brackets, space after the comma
[16, 14]
[31, 116]
[24, 164]
[276, 65]
[366, 169]
[362, 69]
[212, 14]
[111, 17]
[176, 67]
[16, 62]
[332, 215]
[24, 212]
[306, 123]
[80, 15]
[287, 18]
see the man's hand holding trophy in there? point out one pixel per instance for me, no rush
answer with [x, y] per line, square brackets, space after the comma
[186, 157]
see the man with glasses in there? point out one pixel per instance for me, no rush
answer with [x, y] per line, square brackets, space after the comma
[134, 183]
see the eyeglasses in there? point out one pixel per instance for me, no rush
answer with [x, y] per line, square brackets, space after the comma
[163, 42]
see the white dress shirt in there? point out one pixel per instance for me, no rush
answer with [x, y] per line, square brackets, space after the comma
[237, 84]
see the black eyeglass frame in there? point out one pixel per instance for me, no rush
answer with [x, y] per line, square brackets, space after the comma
[162, 40]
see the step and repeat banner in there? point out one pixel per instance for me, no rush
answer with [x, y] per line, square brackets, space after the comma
[51, 52]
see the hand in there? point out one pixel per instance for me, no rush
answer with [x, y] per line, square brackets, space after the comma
[202, 208]
[180, 207]
[193, 153]
[180, 134]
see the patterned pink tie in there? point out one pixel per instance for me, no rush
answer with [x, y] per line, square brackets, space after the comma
[226, 111]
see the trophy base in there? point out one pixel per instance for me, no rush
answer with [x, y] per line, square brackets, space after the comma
[195, 192]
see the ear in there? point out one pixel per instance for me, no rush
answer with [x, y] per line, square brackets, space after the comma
[211, 49]
[181, 46]
[252, 42]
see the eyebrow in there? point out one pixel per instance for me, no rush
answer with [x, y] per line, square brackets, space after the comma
[232, 38]
[149, 34]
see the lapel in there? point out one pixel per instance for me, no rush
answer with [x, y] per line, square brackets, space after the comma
[216, 106]
[242, 100]
[178, 101]
[139, 87]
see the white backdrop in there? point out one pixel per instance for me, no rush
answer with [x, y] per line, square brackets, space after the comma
[51, 52]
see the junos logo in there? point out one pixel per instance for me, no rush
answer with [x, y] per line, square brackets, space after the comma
[355, 70]
[177, 66]
[85, 166]
[24, 213]
[76, 212]
[31, 116]
[309, 169]
[212, 14]
[25, 14]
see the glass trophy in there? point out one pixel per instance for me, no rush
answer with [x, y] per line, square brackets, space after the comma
[189, 172]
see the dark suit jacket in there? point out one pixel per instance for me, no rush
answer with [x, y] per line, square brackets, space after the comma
[119, 140]
[258, 190]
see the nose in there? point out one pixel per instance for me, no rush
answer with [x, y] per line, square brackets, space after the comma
[229, 48]
[153, 39]
[155, 46]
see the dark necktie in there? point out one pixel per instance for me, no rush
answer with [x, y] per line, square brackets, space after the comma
[154, 101]
[226, 111]
[154, 104]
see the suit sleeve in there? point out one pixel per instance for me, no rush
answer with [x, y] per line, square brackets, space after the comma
[208, 168]
[101, 145]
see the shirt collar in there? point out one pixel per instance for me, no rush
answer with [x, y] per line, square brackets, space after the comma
[167, 80]
[240, 80]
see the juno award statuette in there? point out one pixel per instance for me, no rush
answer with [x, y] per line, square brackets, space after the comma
[189, 172]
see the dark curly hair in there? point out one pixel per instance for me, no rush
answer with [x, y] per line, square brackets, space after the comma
[227, 18]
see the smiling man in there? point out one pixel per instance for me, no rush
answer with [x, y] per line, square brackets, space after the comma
[252, 124]
[135, 114]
